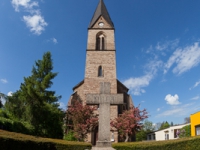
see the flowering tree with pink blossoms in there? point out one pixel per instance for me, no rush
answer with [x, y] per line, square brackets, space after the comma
[129, 122]
[81, 119]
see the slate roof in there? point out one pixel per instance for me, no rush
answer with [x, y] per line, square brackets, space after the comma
[101, 11]
[79, 84]
[118, 82]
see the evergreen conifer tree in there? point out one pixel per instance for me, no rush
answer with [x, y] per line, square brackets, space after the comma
[35, 103]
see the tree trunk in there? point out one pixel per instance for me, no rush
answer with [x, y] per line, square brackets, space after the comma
[127, 137]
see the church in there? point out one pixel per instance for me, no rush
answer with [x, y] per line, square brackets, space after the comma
[101, 67]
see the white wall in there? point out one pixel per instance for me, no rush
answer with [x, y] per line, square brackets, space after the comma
[160, 135]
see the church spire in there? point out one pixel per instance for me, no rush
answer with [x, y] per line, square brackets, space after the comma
[101, 11]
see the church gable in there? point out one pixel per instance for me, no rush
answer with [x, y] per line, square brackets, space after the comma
[101, 23]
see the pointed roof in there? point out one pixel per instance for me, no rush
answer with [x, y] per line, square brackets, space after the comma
[101, 11]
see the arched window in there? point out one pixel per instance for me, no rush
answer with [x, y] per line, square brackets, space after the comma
[100, 71]
[103, 43]
[100, 42]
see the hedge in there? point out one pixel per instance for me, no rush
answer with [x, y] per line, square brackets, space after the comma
[15, 126]
[12, 140]
[191, 143]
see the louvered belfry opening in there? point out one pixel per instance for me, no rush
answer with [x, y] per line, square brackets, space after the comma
[100, 42]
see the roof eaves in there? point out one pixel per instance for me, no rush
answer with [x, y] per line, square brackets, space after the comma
[79, 84]
[122, 85]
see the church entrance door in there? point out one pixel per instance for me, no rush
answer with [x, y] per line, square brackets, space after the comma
[95, 136]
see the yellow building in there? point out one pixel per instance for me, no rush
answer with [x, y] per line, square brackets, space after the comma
[195, 123]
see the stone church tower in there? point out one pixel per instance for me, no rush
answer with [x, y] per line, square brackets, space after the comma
[101, 66]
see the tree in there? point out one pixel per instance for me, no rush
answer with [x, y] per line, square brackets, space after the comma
[164, 125]
[35, 103]
[129, 122]
[158, 125]
[146, 128]
[81, 119]
[185, 132]
[187, 120]
[16, 107]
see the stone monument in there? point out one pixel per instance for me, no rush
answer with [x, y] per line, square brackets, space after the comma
[104, 100]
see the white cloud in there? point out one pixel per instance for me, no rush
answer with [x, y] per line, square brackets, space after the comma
[184, 59]
[62, 105]
[10, 93]
[161, 47]
[149, 49]
[172, 100]
[158, 109]
[54, 40]
[178, 111]
[195, 98]
[4, 81]
[27, 4]
[171, 112]
[36, 23]
[197, 83]
[3, 101]
[167, 44]
[136, 84]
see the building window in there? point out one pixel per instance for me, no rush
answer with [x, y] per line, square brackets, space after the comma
[112, 137]
[175, 133]
[154, 137]
[103, 43]
[120, 109]
[100, 71]
[166, 135]
[149, 137]
[100, 42]
[197, 128]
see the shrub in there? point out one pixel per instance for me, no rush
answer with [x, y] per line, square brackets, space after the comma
[11, 141]
[191, 143]
[185, 131]
[15, 126]
[70, 136]
[3, 114]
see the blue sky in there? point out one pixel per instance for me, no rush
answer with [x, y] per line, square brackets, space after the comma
[157, 43]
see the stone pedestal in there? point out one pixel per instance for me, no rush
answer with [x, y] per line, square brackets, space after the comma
[102, 148]
[103, 144]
